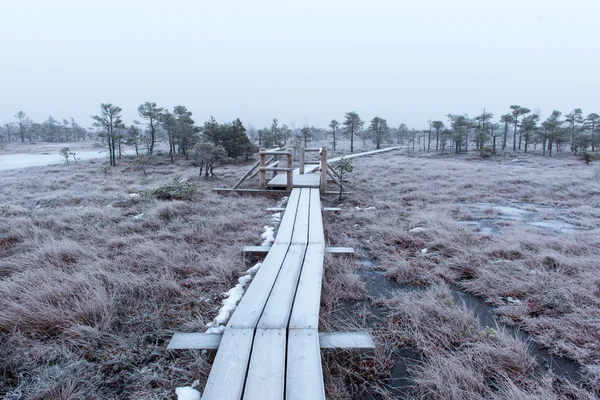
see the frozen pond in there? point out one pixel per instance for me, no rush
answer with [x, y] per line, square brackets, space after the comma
[15, 161]
[488, 214]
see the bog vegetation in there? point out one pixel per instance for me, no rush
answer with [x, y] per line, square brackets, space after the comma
[100, 262]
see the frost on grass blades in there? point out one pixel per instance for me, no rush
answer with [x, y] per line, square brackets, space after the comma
[232, 298]
[234, 295]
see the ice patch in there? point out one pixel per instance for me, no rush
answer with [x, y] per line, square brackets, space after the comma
[187, 393]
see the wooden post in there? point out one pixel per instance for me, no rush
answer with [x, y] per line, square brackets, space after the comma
[290, 173]
[262, 173]
[302, 151]
[324, 169]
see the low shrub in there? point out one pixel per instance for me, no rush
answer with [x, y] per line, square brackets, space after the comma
[179, 189]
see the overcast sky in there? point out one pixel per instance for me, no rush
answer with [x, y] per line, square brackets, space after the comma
[300, 60]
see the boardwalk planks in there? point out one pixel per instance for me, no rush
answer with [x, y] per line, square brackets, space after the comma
[228, 373]
[266, 374]
[304, 378]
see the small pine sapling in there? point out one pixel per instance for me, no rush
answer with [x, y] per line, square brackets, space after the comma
[344, 166]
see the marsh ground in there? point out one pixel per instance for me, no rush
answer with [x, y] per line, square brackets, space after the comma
[94, 282]
[521, 233]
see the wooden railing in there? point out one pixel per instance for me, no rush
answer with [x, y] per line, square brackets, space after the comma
[263, 167]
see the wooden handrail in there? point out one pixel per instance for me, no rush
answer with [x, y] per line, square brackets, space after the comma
[324, 169]
[275, 153]
[278, 169]
[302, 150]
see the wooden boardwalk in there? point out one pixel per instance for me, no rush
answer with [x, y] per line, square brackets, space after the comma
[270, 348]
[300, 181]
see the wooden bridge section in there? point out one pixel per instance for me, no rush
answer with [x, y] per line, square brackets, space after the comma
[270, 348]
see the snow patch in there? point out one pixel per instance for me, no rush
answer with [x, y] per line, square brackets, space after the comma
[268, 236]
[187, 393]
[134, 196]
[139, 216]
[283, 201]
[254, 269]
[232, 298]
[418, 230]
[513, 301]
[424, 251]
[358, 208]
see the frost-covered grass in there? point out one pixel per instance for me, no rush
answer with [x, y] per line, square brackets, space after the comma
[545, 282]
[94, 281]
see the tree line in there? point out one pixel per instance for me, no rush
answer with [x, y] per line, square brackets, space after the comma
[208, 144]
[519, 130]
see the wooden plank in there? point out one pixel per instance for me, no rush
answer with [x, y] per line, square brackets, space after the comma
[366, 153]
[328, 209]
[269, 164]
[246, 175]
[277, 169]
[278, 308]
[228, 372]
[195, 340]
[324, 169]
[304, 378]
[330, 192]
[346, 340]
[275, 153]
[249, 191]
[334, 178]
[327, 340]
[286, 226]
[301, 169]
[316, 234]
[300, 181]
[339, 250]
[266, 374]
[257, 249]
[305, 312]
[248, 311]
[310, 168]
[301, 223]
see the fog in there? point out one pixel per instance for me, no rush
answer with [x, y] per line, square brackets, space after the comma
[303, 61]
